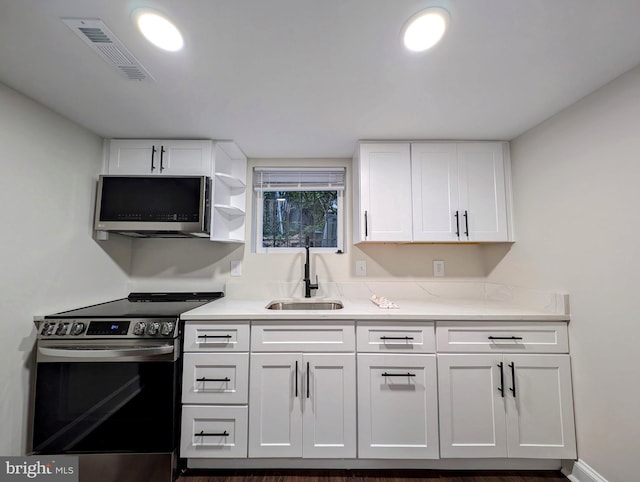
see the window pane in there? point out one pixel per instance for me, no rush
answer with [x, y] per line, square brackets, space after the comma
[290, 216]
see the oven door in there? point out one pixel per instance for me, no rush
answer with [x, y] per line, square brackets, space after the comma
[105, 406]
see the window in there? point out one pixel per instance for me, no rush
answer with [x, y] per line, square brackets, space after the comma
[293, 204]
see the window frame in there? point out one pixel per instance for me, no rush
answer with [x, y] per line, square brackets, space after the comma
[258, 210]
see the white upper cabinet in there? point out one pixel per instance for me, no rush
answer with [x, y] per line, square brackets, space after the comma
[383, 182]
[459, 192]
[482, 191]
[435, 191]
[432, 192]
[161, 157]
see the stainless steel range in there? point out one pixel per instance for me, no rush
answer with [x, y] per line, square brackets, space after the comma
[108, 385]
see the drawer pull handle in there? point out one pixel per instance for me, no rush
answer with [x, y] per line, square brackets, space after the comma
[513, 378]
[385, 374]
[203, 379]
[505, 338]
[308, 388]
[214, 336]
[501, 389]
[296, 377]
[396, 338]
[203, 434]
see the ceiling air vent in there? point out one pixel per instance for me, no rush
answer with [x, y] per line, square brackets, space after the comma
[96, 35]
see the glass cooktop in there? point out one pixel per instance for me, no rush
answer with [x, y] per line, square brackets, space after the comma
[141, 305]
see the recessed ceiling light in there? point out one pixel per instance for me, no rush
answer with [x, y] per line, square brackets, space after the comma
[158, 30]
[425, 29]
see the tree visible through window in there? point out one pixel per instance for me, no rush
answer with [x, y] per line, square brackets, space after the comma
[290, 216]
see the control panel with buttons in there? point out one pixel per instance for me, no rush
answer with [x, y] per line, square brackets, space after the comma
[147, 328]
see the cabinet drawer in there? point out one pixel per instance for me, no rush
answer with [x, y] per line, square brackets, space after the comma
[216, 337]
[213, 431]
[496, 337]
[215, 378]
[392, 338]
[326, 337]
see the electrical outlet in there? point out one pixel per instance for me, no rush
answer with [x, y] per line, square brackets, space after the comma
[361, 268]
[438, 268]
[236, 268]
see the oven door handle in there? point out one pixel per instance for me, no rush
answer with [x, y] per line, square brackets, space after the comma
[110, 352]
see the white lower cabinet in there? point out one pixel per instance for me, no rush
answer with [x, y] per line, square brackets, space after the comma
[397, 406]
[215, 386]
[302, 405]
[494, 405]
[289, 390]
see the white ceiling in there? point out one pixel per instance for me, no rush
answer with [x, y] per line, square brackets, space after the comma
[308, 78]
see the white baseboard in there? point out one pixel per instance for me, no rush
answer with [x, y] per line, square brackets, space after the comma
[581, 472]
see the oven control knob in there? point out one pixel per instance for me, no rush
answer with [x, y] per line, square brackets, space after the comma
[167, 328]
[139, 327]
[77, 328]
[62, 329]
[153, 328]
[47, 329]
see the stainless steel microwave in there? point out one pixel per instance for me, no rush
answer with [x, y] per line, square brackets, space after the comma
[154, 206]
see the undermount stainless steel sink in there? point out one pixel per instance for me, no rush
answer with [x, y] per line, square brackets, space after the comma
[305, 305]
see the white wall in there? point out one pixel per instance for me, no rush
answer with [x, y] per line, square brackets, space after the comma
[48, 260]
[576, 183]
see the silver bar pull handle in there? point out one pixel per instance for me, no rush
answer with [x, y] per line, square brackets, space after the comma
[110, 352]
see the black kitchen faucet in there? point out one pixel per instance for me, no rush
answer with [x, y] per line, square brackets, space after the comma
[308, 286]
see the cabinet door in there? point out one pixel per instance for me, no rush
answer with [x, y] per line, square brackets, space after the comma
[186, 157]
[397, 407]
[130, 156]
[483, 201]
[385, 192]
[472, 409]
[275, 405]
[435, 192]
[540, 413]
[144, 156]
[329, 420]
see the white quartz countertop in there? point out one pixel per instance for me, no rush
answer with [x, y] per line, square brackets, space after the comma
[364, 309]
[464, 301]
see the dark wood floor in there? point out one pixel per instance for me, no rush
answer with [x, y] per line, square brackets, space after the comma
[370, 476]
